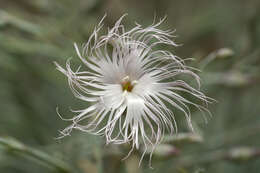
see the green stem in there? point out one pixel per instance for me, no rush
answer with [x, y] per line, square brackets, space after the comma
[239, 155]
[16, 146]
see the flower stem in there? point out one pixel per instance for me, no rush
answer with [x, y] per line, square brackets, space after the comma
[12, 144]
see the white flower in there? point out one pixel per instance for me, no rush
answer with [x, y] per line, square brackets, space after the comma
[133, 88]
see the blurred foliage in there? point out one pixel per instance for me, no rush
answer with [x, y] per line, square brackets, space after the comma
[223, 36]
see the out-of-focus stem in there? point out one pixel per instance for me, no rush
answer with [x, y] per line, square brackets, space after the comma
[13, 145]
[220, 53]
[239, 154]
[183, 138]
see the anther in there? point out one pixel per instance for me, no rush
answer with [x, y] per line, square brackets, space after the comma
[127, 85]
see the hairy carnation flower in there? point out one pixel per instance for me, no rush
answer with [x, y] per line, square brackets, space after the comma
[132, 87]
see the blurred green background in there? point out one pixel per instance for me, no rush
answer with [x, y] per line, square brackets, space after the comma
[223, 36]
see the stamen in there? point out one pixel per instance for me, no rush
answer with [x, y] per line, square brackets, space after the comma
[125, 79]
[127, 84]
[134, 82]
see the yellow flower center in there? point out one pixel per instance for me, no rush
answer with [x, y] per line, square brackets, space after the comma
[127, 86]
